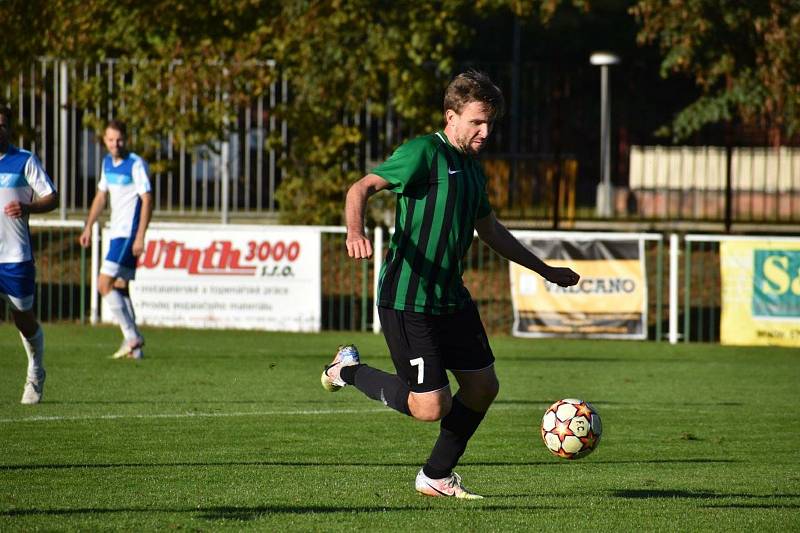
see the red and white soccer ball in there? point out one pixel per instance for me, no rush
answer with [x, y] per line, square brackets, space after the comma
[571, 428]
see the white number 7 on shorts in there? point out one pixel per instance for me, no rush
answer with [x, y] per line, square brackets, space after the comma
[420, 364]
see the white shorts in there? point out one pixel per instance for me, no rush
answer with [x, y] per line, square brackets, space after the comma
[115, 270]
[18, 304]
[119, 261]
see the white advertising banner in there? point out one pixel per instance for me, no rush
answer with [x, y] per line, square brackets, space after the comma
[228, 277]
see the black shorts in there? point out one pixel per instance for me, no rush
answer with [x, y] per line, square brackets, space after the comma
[424, 347]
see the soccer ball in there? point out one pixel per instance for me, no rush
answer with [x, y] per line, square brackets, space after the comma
[571, 428]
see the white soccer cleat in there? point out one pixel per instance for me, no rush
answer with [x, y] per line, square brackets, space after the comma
[137, 353]
[130, 350]
[123, 351]
[450, 486]
[346, 355]
[34, 389]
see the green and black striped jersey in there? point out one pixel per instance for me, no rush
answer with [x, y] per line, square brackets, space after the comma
[441, 192]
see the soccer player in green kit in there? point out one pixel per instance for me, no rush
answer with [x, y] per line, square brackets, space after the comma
[429, 320]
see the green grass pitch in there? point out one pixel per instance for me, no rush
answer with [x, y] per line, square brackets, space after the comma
[226, 430]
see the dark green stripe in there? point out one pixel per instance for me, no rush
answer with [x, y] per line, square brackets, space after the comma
[420, 251]
[447, 227]
[395, 270]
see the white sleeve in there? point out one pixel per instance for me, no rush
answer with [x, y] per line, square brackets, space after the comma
[37, 178]
[140, 177]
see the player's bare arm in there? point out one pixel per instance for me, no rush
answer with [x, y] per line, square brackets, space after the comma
[497, 236]
[98, 204]
[146, 214]
[17, 209]
[358, 245]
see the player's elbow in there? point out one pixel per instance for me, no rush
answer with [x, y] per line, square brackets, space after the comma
[51, 203]
[487, 230]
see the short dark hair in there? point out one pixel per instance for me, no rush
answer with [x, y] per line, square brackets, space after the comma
[118, 125]
[6, 112]
[473, 86]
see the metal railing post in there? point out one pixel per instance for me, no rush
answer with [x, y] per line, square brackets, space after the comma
[225, 176]
[63, 145]
[687, 291]
[94, 300]
[659, 287]
[83, 285]
[674, 251]
[377, 257]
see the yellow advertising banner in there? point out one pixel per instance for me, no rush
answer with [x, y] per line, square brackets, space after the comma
[610, 301]
[760, 292]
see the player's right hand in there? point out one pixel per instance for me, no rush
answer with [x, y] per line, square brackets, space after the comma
[86, 238]
[15, 209]
[562, 276]
[358, 246]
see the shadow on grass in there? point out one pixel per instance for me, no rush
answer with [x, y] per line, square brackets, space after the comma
[66, 466]
[754, 506]
[544, 402]
[565, 359]
[170, 402]
[252, 513]
[607, 402]
[648, 494]
[328, 403]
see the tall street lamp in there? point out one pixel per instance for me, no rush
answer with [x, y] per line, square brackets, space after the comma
[604, 60]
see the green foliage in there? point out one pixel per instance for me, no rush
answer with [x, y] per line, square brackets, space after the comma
[340, 55]
[183, 68]
[743, 55]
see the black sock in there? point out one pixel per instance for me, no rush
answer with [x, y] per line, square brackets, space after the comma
[378, 385]
[456, 429]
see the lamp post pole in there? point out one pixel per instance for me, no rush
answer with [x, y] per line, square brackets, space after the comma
[604, 196]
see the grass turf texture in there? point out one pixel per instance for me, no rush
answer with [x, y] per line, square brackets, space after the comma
[219, 430]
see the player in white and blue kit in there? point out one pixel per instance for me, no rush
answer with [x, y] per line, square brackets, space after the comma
[124, 178]
[25, 188]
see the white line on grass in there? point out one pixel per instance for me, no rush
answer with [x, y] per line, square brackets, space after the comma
[194, 415]
[296, 412]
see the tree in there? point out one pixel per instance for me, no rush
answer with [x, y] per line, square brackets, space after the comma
[743, 55]
[185, 70]
[341, 54]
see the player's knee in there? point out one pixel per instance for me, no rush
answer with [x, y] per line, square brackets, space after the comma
[431, 411]
[492, 390]
[105, 285]
[479, 398]
[26, 322]
[488, 393]
[431, 414]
